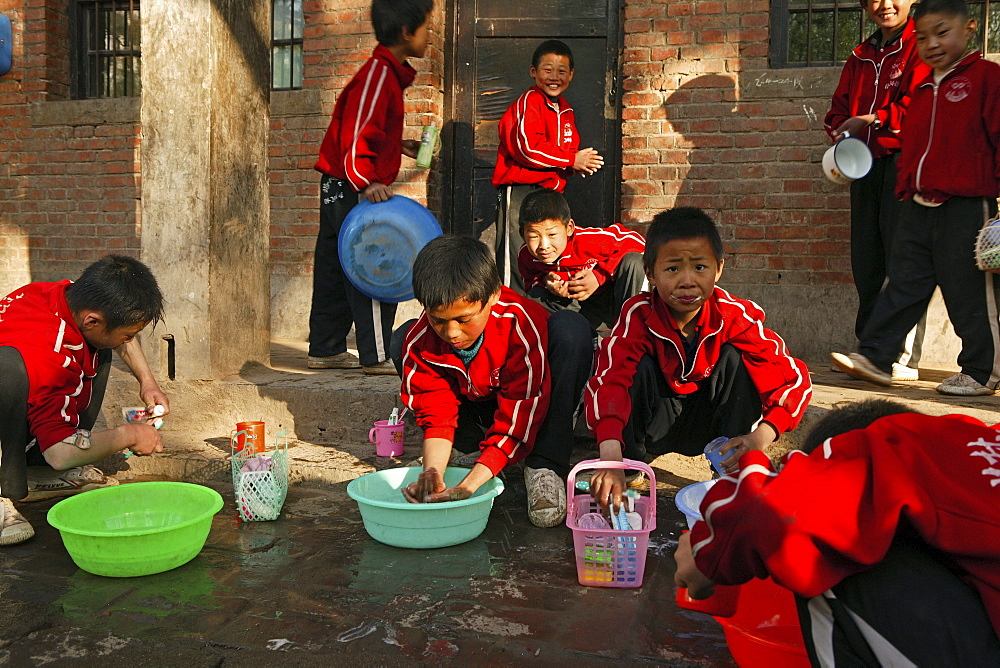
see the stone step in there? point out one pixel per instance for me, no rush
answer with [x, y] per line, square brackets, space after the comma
[326, 416]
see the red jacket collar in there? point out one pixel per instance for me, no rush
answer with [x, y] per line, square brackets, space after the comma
[561, 101]
[963, 64]
[664, 325]
[404, 71]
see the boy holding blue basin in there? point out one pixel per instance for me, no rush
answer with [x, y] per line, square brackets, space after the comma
[55, 357]
[490, 373]
[688, 362]
[360, 157]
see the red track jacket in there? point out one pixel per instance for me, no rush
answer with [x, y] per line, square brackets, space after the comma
[878, 80]
[951, 137]
[61, 365]
[646, 327]
[510, 366]
[364, 143]
[538, 144]
[835, 512]
[596, 248]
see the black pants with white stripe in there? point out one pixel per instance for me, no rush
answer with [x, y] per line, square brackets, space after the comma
[14, 431]
[508, 240]
[935, 247]
[336, 304]
[909, 609]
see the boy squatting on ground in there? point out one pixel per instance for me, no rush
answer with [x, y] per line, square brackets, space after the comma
[869, 103]
[538, 148]
[55, 357]
[489, 372]
[593, 270]
[360, 157]
[688, 362]
[949, 175]
[889, 529]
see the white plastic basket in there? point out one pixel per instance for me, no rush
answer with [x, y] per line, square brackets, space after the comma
[988, 246]
[260, 494]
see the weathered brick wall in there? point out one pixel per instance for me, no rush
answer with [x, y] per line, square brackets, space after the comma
[708, 124]
[68, 171]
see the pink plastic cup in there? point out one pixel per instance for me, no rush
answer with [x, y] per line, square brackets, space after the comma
[388, 438]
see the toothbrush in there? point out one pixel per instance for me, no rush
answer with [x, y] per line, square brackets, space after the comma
[634, 519]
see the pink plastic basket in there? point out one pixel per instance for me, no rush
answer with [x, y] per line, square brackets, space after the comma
[610, 557]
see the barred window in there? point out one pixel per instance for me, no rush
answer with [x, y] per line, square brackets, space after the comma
[287, 23]
[807, 33]
[108, 48]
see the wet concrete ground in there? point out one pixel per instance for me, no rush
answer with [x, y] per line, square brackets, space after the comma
[312, 588]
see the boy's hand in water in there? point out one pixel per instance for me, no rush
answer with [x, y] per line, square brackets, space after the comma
[587, 161]
[429, 484]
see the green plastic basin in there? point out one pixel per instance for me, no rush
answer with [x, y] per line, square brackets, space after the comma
[390, 519]
[136, 529]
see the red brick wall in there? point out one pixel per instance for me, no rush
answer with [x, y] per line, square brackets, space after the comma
[707, 124]
[68, 178]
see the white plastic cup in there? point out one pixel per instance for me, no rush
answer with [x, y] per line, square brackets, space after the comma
[712, 452]
[847, 160]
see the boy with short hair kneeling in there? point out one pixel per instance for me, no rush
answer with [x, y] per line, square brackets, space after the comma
[688, 362]
[593, 270]
[476, 373]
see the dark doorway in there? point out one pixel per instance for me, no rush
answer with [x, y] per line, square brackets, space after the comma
[486, 69]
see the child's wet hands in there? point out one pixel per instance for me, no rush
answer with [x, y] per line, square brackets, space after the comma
[587, 161]
[582, 285]
[428, 484]
[687, 575]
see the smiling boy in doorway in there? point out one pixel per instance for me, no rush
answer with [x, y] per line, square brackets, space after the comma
[538, 148]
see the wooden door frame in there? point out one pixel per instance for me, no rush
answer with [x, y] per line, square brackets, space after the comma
[459, 103]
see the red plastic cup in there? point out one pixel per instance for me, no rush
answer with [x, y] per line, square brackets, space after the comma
[250, 435]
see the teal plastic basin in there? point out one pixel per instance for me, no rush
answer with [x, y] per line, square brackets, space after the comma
[390, 519]
[136, 529]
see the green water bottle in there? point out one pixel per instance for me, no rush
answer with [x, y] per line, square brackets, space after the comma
[428, 141]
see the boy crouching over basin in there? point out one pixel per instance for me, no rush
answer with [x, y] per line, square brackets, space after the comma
[481, 372]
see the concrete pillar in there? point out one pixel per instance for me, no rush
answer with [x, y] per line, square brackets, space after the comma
[205, 207]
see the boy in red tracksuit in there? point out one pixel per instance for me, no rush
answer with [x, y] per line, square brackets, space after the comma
[360, 157]
[487, 371]
[890, 526]
[539, 148]
[687, 362]
[55, 357]
[870, 103]
[593, 270]
[949, 177]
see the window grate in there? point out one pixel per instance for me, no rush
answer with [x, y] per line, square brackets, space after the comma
[814, 33]
[109, 48]
[287, 24]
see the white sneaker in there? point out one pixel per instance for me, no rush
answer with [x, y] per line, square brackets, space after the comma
[47, 483]
[904, 374]
[14, 528]
[546, 497]
[857, 365]
[344, 360]
[963, 385]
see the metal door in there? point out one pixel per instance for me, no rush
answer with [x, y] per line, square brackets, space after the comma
[488, 56]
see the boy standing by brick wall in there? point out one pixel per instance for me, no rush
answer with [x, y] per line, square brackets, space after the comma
[870, 103]
[361, 154]
[949, 175]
